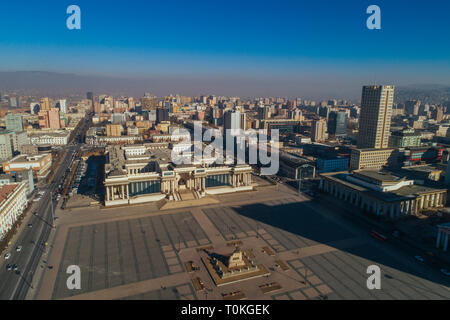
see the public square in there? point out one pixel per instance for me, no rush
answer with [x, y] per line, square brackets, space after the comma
[141, 252]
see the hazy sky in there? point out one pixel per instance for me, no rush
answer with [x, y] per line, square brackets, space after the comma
[317, 43]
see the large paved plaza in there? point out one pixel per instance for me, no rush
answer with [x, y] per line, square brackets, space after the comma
[141, 252]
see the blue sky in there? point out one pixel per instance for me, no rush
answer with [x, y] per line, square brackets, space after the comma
[231, 38]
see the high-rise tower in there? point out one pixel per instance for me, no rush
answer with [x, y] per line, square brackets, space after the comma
[375, 118]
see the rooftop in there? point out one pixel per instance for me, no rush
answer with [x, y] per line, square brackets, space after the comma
[6, 190]
[405, 192]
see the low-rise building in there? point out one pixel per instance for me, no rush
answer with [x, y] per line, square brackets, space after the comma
[25, 176]
[404, 138]
[60, 138]
[381, 193]
[332, 164]
[40, 164]
[362, 159]
[295, 167]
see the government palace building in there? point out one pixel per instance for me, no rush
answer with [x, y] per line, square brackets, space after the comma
[146, 173]
[382, 193]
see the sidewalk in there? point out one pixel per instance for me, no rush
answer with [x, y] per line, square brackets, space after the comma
[27, 216]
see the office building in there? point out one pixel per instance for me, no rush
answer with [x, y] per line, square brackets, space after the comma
[404, 138]
[13, 102]
[332, 164]
[318, 130]
[375, 118]
[114, 130]
[162, 114]
[50, 119]
[45, 104]
[54, 119]
[337, 123]
[6, 146]
[14, 122]
[63, 105]
[361, 159]
[264, 113]
[232, 120]
[40, 164]
[118, 118]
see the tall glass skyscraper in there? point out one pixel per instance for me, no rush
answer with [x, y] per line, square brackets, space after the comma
[337, 123]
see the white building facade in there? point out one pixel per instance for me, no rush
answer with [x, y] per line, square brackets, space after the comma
[13, 201]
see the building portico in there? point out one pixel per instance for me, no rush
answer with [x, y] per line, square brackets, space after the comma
[134, 177]
[396, 203]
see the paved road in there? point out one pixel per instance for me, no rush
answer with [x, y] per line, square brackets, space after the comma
[15, 285]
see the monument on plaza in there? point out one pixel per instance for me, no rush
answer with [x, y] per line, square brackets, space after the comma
[234, 267]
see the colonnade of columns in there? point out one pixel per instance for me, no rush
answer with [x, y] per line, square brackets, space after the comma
[170, 186]
[392, 210]
[117, 192]
[241, 179]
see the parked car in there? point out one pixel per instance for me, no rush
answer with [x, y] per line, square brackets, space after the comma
[7, 256]
[19, 248]
[8, 267]
[446, 272]
[419, 258]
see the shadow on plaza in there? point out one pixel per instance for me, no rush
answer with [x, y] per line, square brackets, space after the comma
[91, 183]
[298, 218]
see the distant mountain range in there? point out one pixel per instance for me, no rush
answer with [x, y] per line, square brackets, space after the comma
[54, 84]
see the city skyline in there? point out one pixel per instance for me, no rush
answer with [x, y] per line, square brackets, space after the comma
[287, 47]
[223, 151]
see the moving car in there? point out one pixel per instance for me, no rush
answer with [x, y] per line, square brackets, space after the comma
[419, 258]
[378, 236]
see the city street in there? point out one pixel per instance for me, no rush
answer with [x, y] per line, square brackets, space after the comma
[15, 284]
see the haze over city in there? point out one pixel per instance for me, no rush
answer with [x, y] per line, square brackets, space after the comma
[205, 152]
[251, 48]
